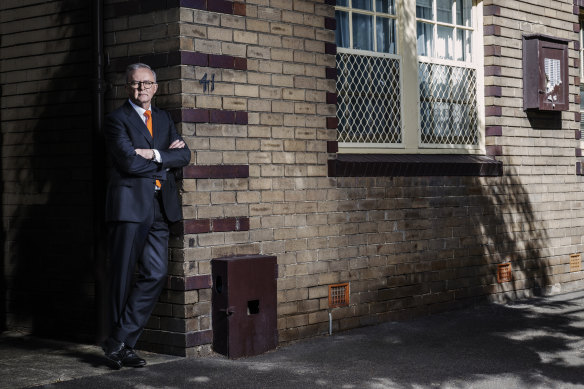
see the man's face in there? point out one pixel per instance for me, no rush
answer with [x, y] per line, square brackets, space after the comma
[141, 95]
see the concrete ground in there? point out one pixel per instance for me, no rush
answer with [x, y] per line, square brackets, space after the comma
[531, 344]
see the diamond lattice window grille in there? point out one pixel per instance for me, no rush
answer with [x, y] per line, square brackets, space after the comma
[448, 105]
[369, 99]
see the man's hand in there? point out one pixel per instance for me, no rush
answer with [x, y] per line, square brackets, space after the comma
[145, 153]
[177, 144]
[149, 153]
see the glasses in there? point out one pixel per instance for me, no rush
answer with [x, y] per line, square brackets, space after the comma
[145, 84]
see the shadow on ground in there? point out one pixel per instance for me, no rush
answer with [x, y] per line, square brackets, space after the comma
[522, 345]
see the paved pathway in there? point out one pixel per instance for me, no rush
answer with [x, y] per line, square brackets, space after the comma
[532, 344]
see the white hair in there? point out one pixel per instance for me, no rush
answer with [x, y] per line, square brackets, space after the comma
[135, 66]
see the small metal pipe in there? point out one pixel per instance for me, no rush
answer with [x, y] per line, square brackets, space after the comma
[330, 323]
[98, 172]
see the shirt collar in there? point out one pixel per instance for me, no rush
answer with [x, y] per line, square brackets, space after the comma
[138, 109]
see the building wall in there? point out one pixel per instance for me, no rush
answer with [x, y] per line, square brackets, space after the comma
[47, 82]
[262, 132]
[258, 181]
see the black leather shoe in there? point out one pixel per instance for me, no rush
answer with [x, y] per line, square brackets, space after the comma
[113, 352]
[129, 358]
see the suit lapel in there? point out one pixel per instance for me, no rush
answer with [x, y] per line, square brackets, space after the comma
[157, 127]
[137, 123]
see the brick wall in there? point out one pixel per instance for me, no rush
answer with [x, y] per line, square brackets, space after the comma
[47, 269]
[258, 180]
[251, 86]
[282, 90]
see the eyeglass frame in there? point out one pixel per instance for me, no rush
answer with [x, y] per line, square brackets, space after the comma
[145, 84]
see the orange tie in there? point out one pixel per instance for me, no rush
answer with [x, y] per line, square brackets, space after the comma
[148, 115]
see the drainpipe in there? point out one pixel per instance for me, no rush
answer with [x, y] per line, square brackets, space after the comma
[99, 178]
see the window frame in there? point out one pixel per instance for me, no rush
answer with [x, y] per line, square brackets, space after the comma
[350, 11]
[411, 139]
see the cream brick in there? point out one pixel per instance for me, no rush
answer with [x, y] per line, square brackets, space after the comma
[294, 43]
[238, 104]
[282, 55]
[233, 22]
[221, 34]
[269, 13]
[304, 32]
[207, 46]
[234, 49]
[259, 79]
[257, 25]
[208, 102]
[259, 52]
[259, 105]
[205, 18]
[292, 17]
[270, 93]
[245, 37]
[282, 106]
[270, 67]
[305, 108]
[294, 68]
[280, 28]
[282, 80]
[247, 90]
[271, 119]
[222, 198]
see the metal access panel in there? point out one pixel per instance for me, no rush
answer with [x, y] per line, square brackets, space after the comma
[545, 73]
[244, 305]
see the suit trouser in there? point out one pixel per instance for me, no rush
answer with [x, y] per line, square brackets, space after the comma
[133, 297]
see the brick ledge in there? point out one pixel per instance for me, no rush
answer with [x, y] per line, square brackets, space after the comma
[413, 165]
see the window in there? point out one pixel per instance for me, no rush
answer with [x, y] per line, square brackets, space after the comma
[386, 66]
[369, 72]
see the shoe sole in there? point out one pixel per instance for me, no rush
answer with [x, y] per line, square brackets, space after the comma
[117, 365]
[134, 365]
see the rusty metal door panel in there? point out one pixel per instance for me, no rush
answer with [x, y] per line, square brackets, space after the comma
[244, 305]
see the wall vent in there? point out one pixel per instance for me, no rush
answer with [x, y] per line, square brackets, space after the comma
[575, 262]
[504, 273]
[339, 295]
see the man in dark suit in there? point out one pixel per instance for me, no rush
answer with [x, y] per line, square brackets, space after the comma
[142, 199]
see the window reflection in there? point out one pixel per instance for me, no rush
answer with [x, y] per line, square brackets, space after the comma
[385, 6]
[424, 9]
[425, 42]
[342, 33]
[363, 4]
[436, 40]
[362, 32]
[444, 11]
[464, 12]
[374, 30]
[386, 35]
[444, 43]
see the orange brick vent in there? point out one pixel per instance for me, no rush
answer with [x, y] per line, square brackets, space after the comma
[504, 272]
[575, 262]
[339, 295]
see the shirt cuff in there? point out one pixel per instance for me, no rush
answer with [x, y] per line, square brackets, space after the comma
[157, 157]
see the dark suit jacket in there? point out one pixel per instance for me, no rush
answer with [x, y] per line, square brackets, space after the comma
[130, 193]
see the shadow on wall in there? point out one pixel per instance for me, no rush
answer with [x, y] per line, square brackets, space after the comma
[454, 233]
[49, 281]
[510, 232]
